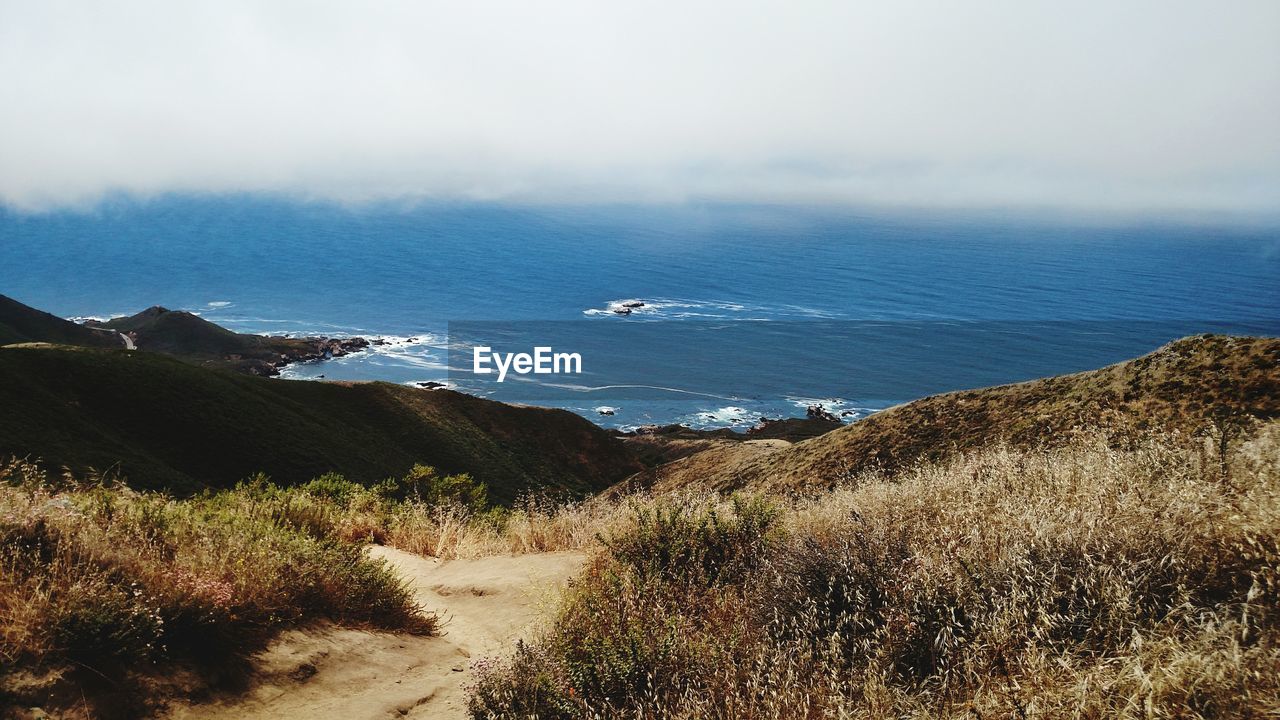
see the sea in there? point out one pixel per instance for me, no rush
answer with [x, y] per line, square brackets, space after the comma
[704, 314]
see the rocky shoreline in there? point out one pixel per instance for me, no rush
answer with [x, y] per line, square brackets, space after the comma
[315, 350]
[817, 421]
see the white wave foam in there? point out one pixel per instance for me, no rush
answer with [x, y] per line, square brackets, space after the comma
[684, 309]
[841, 408]
[219, 304]
[419, 352]
[732, 416]
[597, 388]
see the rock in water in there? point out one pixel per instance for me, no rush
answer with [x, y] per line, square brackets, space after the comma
[818, 412]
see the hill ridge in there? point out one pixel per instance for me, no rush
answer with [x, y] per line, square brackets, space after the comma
[1182, 386]
[20, 323]
[165, 423]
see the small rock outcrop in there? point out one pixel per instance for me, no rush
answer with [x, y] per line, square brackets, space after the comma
[818, 412]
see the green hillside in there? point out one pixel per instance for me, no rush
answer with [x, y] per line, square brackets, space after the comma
[191, 337]
[181, 333]
[21, 324]
[165, 423]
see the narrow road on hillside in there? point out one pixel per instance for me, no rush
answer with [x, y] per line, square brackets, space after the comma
[334, 672]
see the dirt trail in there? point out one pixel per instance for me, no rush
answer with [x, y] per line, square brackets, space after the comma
[352, 674]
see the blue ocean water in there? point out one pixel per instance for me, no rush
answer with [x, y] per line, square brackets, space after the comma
[748, 311]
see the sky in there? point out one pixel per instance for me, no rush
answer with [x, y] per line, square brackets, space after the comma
[1130, 105]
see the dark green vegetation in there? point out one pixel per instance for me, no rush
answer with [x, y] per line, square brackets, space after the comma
[1185, 386]
[22, 324]
[164, 423]
[173, 332]
[111, 598]
[181, 333]
[185, 425]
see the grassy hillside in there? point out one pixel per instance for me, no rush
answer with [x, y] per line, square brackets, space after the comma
[174, 332]
[22, 324]
[1082, 581]
[181, 333]
[1182, 386]
[1091, 579]
[165, 423]
[1085, 581]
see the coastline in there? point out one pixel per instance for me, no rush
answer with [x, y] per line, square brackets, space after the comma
[323, 348]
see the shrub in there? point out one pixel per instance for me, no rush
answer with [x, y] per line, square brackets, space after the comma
[650, 618]
[334, 488]
[423, 483]
[529, 685]
[674, 539]
[96, 623]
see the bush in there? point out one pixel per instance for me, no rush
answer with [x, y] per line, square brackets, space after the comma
[650, 618]
[424, 484]
[705, 544]
[530, 685]
[96, 623]
[334, 488]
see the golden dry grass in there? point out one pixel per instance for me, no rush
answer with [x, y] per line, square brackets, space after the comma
[1095, 580]
[1083, 581]
[103, 588]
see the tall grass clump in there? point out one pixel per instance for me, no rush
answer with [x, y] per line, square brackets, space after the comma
[425, 512]
[653, 612]
[101, 586]
[1084, 581]
[534, 523]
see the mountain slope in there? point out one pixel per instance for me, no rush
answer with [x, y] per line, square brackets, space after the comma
[186, 335]
[21, 324]
[165, 423]
[1180, 386]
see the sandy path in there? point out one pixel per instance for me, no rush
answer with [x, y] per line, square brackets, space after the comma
[353, 674]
